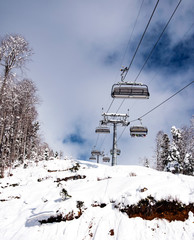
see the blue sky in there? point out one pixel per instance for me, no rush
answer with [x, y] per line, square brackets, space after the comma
[79, 47]
[179, 56]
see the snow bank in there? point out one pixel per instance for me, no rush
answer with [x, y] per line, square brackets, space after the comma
[33, 194]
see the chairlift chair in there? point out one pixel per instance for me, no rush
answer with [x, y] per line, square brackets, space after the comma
[130, 90]
[95, 152]
[102, 129]
[92, 158]
[106, 159]
[138, 131]
[118, 151]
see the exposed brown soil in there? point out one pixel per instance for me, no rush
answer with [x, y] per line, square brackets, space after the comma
[96, 204]
[111, 232]
[43, 179]
[68, 217]
[59, 218]
[149, 209]
[100, 179]
[3, 200]
[57, 170]
[9, 198]
[75, 168]
[75, 177]
[10, 185]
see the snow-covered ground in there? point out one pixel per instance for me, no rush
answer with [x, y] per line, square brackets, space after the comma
[33, 194]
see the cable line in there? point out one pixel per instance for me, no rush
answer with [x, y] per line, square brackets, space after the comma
[132, 30]
[102, 142]
[163, 102]
[96, 140]
[158, 40]
[121, 134]
[120, 105]
[154, 46]
[127, 69]
[110, 105]
[157, 107]
[129, 42]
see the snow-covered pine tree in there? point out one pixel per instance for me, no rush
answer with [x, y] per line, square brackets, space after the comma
[46, 154]
[56, 154]
[158, 149]
[146, 162]
[61, 154]
[177, 152]
[162, 150]
[188, 167]
[165, 145]
[188, 139]
[177, 156]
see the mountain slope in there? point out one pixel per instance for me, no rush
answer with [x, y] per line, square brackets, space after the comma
[68, 199]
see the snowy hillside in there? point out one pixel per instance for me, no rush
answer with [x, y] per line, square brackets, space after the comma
[78, 200]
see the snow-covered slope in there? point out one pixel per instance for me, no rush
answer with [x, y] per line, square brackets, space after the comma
[91, 202]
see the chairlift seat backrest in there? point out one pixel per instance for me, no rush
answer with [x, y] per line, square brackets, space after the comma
[92, 158]
[130, 90]
[95, 152]
[102, 130]
[106, 159]
[138, 131]
[118, 151]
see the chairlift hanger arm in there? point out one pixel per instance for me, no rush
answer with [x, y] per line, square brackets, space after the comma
[124, 72]
[163, 102]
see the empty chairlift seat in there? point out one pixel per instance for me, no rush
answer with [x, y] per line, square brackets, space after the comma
[92, 158]
[138, 131]
[102, 129]
[118, 151]
[106, 159]
[96, 152]
[130, 90]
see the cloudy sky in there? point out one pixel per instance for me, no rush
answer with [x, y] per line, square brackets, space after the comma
[79, 48]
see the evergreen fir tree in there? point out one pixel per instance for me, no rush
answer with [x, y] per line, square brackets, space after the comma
[164, 156]
[56, 154]
[176, 156]
[177, 152]
[162, 150]
[159, 166]
[46, 154]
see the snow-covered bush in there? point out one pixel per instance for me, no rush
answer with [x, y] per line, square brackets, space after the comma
[64, 194]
